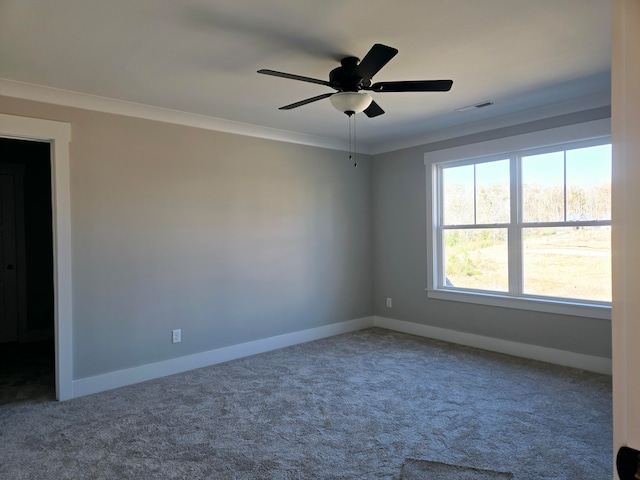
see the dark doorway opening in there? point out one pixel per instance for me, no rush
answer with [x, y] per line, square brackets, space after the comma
[27, 348]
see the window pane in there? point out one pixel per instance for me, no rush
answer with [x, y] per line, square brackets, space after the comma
[476, 259]
[570, 262]
[589, 183]
[543, 187]
[492, 192]
[458, 195]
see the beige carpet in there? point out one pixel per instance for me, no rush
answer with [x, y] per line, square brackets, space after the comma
[354, 406]
[416, 469]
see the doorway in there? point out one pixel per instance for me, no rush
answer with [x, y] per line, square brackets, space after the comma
[58, 136]
[27, 348]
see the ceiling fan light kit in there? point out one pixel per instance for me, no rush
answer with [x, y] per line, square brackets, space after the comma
[354, 75]
[351, 102]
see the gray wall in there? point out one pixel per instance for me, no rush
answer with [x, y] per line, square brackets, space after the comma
[234, 239]
[400, 257]
[229, 238]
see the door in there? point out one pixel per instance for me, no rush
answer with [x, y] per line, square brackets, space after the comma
[625, 119]
[12, 305]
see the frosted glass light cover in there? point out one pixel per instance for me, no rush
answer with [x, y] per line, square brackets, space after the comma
[355, 102]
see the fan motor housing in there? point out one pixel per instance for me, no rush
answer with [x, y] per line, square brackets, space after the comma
[346, 78]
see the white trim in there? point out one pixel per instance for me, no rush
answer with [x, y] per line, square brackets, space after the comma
[57, 96]
[560, 307]
[130, 376]
[59, 135]
[96, 103]
[602, 99]
[534, 352]
[577, 135]
[544, 138]
[121, 378]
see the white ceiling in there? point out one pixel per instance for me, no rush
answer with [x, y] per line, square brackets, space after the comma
[201, 56]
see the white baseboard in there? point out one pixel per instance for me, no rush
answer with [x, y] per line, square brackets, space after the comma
[534, 352]
[130, 376]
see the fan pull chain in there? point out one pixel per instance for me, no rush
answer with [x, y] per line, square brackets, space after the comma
[352, 146]
[355, 146]
[350, 150]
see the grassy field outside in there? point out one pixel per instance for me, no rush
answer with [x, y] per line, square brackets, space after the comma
[558, 262]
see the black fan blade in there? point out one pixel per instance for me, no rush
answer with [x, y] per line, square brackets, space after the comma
[274, 73]
[373, 110]
[413, 86]
[304, 102]
[374, 60]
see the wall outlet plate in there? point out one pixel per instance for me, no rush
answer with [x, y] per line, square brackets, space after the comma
[176, 336]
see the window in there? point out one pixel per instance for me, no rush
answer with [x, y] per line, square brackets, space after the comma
[531, 226]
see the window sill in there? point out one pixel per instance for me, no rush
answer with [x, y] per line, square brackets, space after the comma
[591, 310]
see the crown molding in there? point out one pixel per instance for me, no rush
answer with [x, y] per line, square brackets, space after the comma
[67, 98]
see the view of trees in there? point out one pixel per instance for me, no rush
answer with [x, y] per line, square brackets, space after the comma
[540, 204]
[547, 204]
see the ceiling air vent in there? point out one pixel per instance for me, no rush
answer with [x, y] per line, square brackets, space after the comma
[474, 107]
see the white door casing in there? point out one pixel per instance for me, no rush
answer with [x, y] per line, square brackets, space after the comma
[58, 134]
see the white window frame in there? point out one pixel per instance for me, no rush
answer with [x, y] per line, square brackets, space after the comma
[584, 134]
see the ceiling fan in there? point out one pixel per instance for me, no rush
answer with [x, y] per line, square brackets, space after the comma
[354, 75]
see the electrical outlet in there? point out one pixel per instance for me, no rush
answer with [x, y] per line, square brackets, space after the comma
[176, 336]
[389, 303]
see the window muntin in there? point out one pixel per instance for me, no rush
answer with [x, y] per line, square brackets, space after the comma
[551, 210]
[476, 194]
[543, 187]
[459, 205]
[492, 192]
[589, 182]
